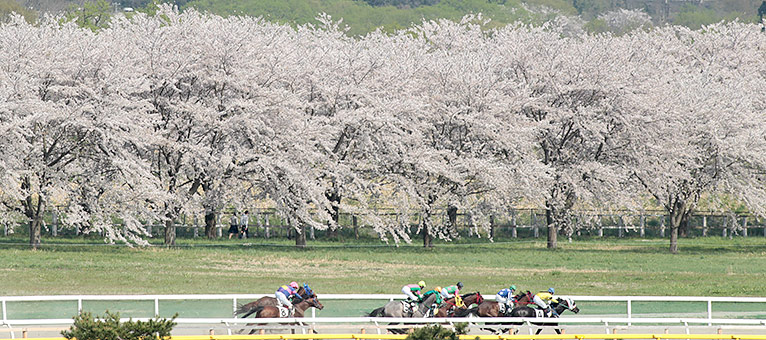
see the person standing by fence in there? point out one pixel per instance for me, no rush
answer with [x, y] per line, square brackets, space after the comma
[233, 225]
[243, 224]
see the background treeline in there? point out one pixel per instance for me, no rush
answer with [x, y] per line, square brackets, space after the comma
[363, 16]
[161, 115]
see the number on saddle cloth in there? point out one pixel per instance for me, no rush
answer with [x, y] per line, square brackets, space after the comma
[459, 301]
[283, 312]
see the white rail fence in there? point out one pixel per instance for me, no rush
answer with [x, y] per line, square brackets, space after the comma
[381, 323]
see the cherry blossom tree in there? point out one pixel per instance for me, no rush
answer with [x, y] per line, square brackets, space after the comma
[702, 130]
[64, 134]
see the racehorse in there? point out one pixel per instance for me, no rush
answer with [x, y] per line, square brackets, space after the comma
[449, 309]
[269, 307]
[247, 309]
[562, 305]
[281, 312]
[401, 309]
[299, 309]
[492, 308]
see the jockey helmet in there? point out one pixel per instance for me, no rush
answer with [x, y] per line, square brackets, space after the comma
[422, 283]
[551, 290]
[459, 285]
[294, 284]
[438, 289]
[512, 287]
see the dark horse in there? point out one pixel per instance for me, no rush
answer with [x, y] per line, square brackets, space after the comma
[270, 308]
[249, 308]
[279, 311]
[492, 308]
[449, 309]
[562, 305]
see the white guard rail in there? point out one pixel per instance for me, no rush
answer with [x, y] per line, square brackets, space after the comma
[237, 298]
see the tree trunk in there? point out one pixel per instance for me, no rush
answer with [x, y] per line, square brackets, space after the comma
[673, 240]
[33, 210]
[35, 227]
[452, 214]
[170, 233]
[356, 226]
[426, 223]
[300, 237]
[428, 241]
[492, 226]
[552, 228]
[334, 197]
[210, 225]
[676, 216]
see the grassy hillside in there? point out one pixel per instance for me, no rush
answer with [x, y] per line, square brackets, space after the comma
[362, 17]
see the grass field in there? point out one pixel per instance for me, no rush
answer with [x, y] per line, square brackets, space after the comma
[705, 267]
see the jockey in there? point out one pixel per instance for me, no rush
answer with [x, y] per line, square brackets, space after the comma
[413, 291]
[450, 291]
[543, 298]
[437, 301]
[284, 293]
[504, 298]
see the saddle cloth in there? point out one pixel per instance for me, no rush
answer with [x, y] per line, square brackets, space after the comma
[283, 312]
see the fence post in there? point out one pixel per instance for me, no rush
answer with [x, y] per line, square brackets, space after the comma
[643, 225]
[710, 311]
[196, 226]
[268, 235]
[662, 225]
[149, 229]
[514, 233]
[534, 225]
[54, 227]
[744, 226]
[704, 225]
[5, 229]
[311, 234]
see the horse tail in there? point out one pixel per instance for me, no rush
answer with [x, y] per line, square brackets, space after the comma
[244, 308]
[256, 310]
[377, 312]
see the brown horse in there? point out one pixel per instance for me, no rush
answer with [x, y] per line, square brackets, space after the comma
[249, 308]
[299, 310]
[492, 308]
[449, 309]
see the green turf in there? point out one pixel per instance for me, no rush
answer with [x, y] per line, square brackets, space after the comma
[705, 267]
